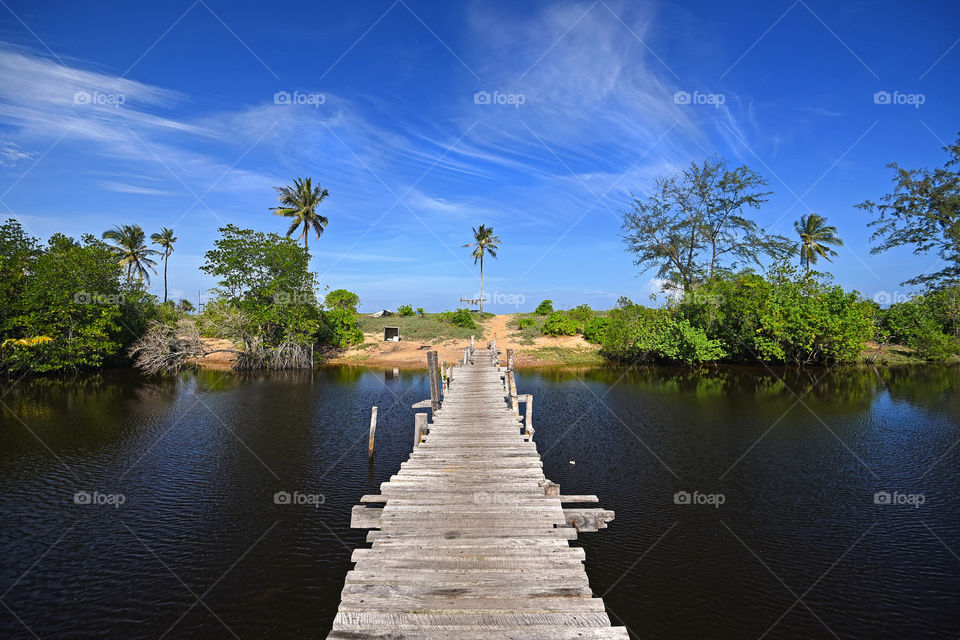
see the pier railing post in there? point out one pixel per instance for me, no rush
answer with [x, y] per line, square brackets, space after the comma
[432, 369]
[528, 415]
[419, 427]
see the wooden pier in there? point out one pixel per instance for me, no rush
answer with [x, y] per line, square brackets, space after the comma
[469, 539]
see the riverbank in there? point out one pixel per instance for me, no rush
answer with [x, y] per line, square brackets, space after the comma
[542, 351]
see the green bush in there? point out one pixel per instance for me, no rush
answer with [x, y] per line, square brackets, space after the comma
[405, 310]
[581, 314]
[596, 329]
[637, 333]
[523, 323]
[545, 308]
[559, 324]
[920, 324]
[339, 328]
[787, 316]
[421, 313]
[462, 318]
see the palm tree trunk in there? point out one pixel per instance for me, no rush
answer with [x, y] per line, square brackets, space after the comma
[166, 260]
[481, 286]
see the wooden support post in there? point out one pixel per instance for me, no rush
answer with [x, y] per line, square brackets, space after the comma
[472, 347]
[528, 415]
[510, 359]
[419, 427]
[443, 376]
[373, 430]
[434, 380]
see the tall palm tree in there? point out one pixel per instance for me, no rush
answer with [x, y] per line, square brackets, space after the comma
[130, 247]
[300, 202]
[165, 239]
[484, 243]
[815, 235]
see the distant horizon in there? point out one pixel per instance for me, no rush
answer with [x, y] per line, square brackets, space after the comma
[425, 119]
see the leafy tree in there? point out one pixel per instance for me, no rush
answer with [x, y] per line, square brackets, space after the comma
[923, 212]
[405, 310]
[18, 253]
[300, 202]
[342, 299]
[545, 308]
[267, 279]
[815, 235]
[421, 313]
[694, 225]
[72, 309]
[130, 248]
[165, 239]
[185, 306]
[484, 243]
[339, 327]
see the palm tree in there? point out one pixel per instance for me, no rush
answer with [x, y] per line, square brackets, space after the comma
[131, 249]
[484, 242]
[300, 202]
[814, 236]
[165, 239]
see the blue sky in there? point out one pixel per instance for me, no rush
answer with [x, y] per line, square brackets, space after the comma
[178, 125]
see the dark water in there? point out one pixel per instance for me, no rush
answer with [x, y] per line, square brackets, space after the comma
[199, 549]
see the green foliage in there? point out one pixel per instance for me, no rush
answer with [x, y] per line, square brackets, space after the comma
[559, 324]
[786, 317]
[299, 202]
[18, 254]
[596, 329]
[637, 333]
[926, 324]
[923, 212]
[694, 226]
[581, 315]
[71, 294]
[462, 318]
[266, 278]
[339, 327]
[524, 323]
[545, 308]
[405, 310]
[421, 313]
[342, 299]
[185, 306]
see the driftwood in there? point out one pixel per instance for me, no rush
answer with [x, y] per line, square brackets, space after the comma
[168, 348]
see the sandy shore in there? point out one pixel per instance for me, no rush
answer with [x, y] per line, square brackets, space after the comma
[413, 354]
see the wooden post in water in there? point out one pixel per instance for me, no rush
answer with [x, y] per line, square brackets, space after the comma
[419, 427]
[373, 430]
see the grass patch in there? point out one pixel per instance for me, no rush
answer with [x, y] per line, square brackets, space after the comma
[894, 355]
[568, 356]
[428, 328]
